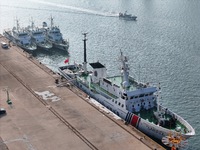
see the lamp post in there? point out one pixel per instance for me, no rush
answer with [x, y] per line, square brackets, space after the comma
[9, 102]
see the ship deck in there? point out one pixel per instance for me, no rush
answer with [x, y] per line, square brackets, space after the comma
[117, 80]
[64, 119]
[149, 116]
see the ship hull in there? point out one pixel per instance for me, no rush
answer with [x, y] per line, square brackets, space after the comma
[31, 47]
[44, 46]
[61, 46]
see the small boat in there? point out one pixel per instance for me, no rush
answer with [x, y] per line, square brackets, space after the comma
[20, 37]
[127, 16]
[38, 37]
[55, 36]
[135, 102]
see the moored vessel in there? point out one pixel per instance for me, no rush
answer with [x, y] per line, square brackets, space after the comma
[135, 102]
[38, 37]
[55, 37]
[20, 37]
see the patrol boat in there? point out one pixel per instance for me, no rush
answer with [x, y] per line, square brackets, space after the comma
[55, 36]
[20, 37]
[135, 102]
[127, 16]
[38, 37]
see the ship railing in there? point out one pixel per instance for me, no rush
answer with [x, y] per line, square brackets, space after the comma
[189, 130]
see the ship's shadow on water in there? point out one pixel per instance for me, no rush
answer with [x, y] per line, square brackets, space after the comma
[50, 52]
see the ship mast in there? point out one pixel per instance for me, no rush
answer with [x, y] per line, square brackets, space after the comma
[124, 71]
[85, 57]
[51, 22]
[17, 24]
[32, 23]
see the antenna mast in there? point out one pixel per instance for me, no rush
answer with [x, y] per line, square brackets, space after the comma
[85, 56]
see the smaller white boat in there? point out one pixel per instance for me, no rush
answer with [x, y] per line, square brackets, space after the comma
[55, 36]
[20, 37]
[38, 37]
[127, 16]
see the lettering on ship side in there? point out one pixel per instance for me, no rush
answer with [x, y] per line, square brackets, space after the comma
[154, 129]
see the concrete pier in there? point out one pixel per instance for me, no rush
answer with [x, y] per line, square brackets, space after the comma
[44, 116]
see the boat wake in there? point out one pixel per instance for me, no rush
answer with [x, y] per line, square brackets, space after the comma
[78, 9]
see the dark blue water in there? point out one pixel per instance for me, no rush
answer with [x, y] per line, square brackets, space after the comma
[163, 45]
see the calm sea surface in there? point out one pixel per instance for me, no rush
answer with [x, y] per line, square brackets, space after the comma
[163, 45]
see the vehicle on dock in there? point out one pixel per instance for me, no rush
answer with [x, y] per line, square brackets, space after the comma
[2, 111]
[55, 36]
[135, 102]
[4, 45]
[20, 37]
[127, 16]
[38, 37]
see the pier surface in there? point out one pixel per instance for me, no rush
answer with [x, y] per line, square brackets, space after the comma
[44, 116]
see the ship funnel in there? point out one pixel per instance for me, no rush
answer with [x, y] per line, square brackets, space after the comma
[85, 56]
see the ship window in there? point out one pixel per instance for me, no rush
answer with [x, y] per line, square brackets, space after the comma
[122, 105]
[138, 104]
[119, 103]
[149, 102]
[124, 94]
[144, 103]
[146, 94]
[122, 97]
[136, 97]
[142, 95]
[132, 105]
[115, 102]
[131, 97]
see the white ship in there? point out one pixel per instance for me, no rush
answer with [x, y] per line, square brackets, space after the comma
[20, 37]
[38, 37]
[136, 103]
[127, 16]
[55, 36]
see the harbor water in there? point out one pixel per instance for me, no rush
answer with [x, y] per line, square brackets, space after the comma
[163, 45]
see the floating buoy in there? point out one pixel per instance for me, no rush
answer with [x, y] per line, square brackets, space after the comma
[174, 141]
